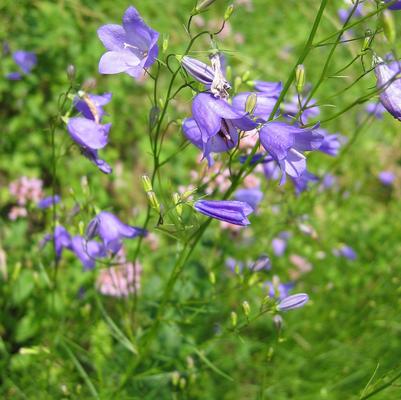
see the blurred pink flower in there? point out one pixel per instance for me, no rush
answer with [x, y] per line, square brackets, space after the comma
[26, 190]
[17, 212]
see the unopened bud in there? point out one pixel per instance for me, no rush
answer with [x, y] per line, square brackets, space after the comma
[229, 11]
[182, 383]
[203, 4]
[178, 204]
[246, 308]
[237, 83]
[300, 78]
[81, 227]
[154, 202]
[175, 378]
[389, 26]
[212, 277]
[165, 43]
[71, 72]
[278, 321]
[250, 103]
[234, 318]
[367, 41]
[89, 84]
[245, 75]
[147, 183]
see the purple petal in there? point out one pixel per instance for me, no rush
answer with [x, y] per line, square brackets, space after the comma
[112, 36]
[88, 133]
[114, 62]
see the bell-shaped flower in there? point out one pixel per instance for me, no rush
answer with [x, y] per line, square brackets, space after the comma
[216, 118]
[302, 182]
[202, 72]
[130, 47]
[48, 201]
[233, 212]
[87, 133]
[91, 105]
[389, 85]
[285, 144]
[87, 251]
[111, 230]
[331, 143]
[61, 238]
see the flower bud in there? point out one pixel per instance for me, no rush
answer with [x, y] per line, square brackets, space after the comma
[245, 76]
[228, 12]
[182, 383]
[147, 184]
[212, 277]
[165, 43]
[234, 318]
[71, 72]
[389, 26]
[292, 302]
[154, 202]
[237, 83]
[367, 41]
[202, 6]
[300, 78]
[175, 378]
[278, 321]
[81, 228]
[250, 103]
[246, 308]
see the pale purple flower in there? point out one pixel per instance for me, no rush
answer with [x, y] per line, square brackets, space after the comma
[375, 108]
[389, 85]
[91, 105]
[26, 60]
[301, 183]
[111, 230]
[387, 178]
[262, 263]
[48, 201]
[251, 196]
[285, 143]
[278, 290]
[264, 104]
[279, 243]
[292, 302]
[272, 88]
[343, 14]
[233, 212]
[87, 251]
[130, 47]
[328, 181]
[214, 124]
[331, 143]
[62, 240]
[271, 169]
[202, 72]
[92, 156]
[346, 252]
[87, 133]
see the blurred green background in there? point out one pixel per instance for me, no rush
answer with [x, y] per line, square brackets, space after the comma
[64, 345]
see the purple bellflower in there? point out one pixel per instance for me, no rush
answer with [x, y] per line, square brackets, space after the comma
[214, 125]
[264, 104]
[62, 240]
[375, 108]
[346, 252]
[251, 196]
[285, 144]
[278, 290]
[292, 302]
[87, 251]
[395, 6]
[263, 263]
[331, 143]
[25, 60]
[343, 14]
[48, 201]
[130, 47]
[387, 178]
[302, 182]
[279, 243]
[91, 106]
[389, 84]
[233, 212]
[87, 133]
[111, 230]
[272, 88]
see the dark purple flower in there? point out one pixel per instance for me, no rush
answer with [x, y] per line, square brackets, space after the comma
[111, 230]
[285, 143]
[395, 6]
[26, 60]
[87, 251]
[130, 47]
[87, 133]
[217, 122]
[292, 302]
[389, 85]
[375, 108]
[62, 240]
[251, 196]
[301, 183]
[91, 106]
[387, 178]
[49, 201]
[272, 88]
[264, 104]
[233, 212]
[331, 142]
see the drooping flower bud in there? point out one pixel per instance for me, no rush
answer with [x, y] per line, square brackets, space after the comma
[71, 72]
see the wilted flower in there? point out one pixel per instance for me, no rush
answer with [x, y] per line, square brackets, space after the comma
[233, 212]
[87, 251]
[111, 230]
[389, 85]
[251, 196]
[292, 302]
[48, 201]
[131, 47]
[387, 178]
[285, 143]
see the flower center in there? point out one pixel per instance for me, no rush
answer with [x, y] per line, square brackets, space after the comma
[137, 50]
